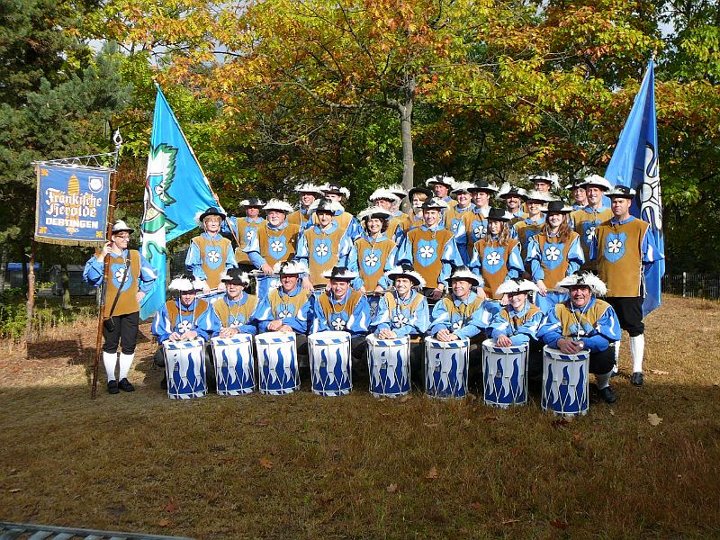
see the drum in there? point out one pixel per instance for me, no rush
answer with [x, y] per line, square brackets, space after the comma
[330, 363]
[277, 363]
[185, 368]
[504, 374]
[234, 364]
[565, 382]
[446, 368]
[388, 366]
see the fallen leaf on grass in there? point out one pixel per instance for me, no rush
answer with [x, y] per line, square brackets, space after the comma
[262, 422]
[15, 490]
[430, 425]
[164, 522]
[265, 463]
[405, 398]
[392, 488]
[467, 422]
[654, 419]
[559, 524]
[659, 372]
[476, 506]
[432, 473]
[490, 418]
[510, 521]
[171, 506]
[560, 423]
[612, 412]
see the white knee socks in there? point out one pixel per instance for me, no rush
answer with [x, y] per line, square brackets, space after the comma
[617, 357]
[110, 359]
[125, 363]
[637, 350]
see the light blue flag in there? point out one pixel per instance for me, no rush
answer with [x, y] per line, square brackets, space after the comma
[176, 190]
[635, 163]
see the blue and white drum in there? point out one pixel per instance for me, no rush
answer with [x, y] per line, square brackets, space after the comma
[234, 364]
[504, 374]
[565, 382]
[388, 366]
[330, 363]
[277, 363]
[446, 368]
[185, 368]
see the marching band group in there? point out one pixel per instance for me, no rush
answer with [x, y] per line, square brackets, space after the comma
[529, 270]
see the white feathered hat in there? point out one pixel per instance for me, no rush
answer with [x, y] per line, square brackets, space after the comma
[185, 283]
[398, 191]
[551, 178]
[309, 188]
[595, 180]
[377, 212]
[277, 204]
[516, 286]
[506, 190]
[340, 273]
[383, 193]
[336, 189]
[464, 273]
[327, 205]
[586, 279]
[406, 271]
[289, 268]
[448, 181]
[540, 196]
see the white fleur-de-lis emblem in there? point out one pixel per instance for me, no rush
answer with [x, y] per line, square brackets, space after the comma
[479, 231]
[615, 245]
[400, 320]
[493, 258]
[338, 324]
[249, 234]
[284, 314]
[321, 250]
[371, 260]
[590, 234]
[185, 326]
[276, 245]
[427, 252]
[552, 253]
[120, 274]
[213, 256]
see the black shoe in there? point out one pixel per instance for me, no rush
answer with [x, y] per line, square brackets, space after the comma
[608, 394]
[113, 387]
[125, 386]
[637, 378]
[163, 383]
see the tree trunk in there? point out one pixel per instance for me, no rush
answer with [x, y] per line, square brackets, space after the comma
[65, 277]
[405, 110]
[3, 266]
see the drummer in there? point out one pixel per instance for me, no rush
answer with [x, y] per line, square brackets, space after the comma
[404, 312]
[463, 314]
[584, 322]
[341, 309]
[431, 249]
[325, 244]
[210, 254]
[183, 318]
[497, 256]
[373, 254]
[235, 309]
[308, 193]
[285, 308]
[518, 322]
[276, 241]
[244, 229]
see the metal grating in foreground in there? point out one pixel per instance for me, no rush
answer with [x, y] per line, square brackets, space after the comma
[28, 531]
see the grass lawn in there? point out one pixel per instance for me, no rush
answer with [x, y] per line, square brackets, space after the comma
[358, 467]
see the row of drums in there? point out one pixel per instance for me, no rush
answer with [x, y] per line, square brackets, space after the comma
[564, 387]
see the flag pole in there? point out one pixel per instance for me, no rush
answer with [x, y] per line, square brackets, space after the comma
[106, 266]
